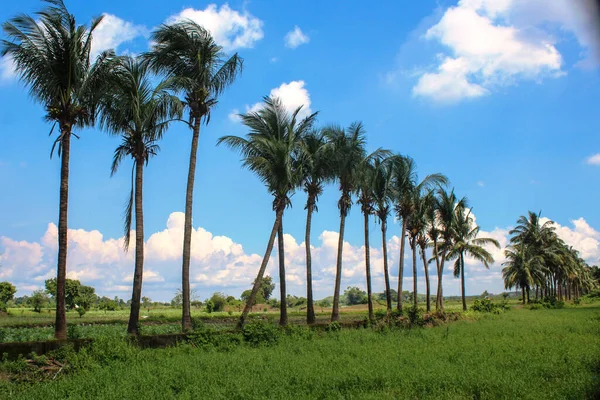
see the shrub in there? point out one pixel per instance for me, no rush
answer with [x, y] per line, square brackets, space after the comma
[258, 333]
[73, 332]
[553, 303]
[380, 314]
[415, 316]
[333, 327]
[81, 311]
[488, 306]
[210, 306]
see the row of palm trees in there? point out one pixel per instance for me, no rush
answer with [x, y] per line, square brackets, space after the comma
[537, 259]
[288, 153]
[52, 57]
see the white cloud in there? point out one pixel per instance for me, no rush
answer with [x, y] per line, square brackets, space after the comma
[230, 28]
[480, 183]
[292, 95]
[498, 42]
[113, 31]
[295, 38]
[220, 264]
[7, 69]
[234, 115]
[593, 160]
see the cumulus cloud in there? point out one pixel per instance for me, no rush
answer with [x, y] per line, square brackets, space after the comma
[7, 69]
[295, 38]
[498, 42]
[292, 95]
[218, 263]
[230, 28]
[114, 31]
[593, 160]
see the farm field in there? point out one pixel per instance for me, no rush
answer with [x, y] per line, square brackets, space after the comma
[522, 353]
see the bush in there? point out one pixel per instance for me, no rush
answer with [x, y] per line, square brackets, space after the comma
[553, 303]
[380, 314]
[333, 327]
[219, 301]
[488, 306]
[415, 316]
[81, 311]
[258, 333]
[73, 332]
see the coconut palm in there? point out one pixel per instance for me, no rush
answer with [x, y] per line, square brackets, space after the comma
[271, 150]
[426, 204]
[465, 242]
[51, 54]
[522, 269]
[365, 178]
[316, 171]
[404, 186]
[140, 113]
[200, 70]
[446, 205]
[382, 195]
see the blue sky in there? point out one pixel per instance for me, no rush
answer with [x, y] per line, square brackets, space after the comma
[499, 95]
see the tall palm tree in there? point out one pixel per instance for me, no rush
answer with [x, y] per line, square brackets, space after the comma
[348, 155]
[382, 195]
[51, 54]
[465, 242]
[200, 70]
[523, 268]
[446, 205]
[140, 113]
[316, 171]
[365, 178]
[405, 185]
[271, 151]
[426, 204]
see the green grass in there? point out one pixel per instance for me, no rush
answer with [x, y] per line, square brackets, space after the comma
[526, 354]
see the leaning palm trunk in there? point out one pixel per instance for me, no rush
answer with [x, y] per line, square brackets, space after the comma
[60, 327]
[283, 319]
[368, 267]
[134, 315]
[186, 320]
[401, 266]
[413, 246]
[388, 293]
[310, 307]
[427, 287]
[439, 269]
[462, 281]
[335, 313]
[263, 267]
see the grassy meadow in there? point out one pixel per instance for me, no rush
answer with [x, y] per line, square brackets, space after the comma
[521, 353]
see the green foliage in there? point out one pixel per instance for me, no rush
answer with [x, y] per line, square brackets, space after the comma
[38, 300]
[73, 332]
[219, 301]
[76, 294]
[354, 296]
[488, 306]
[81, 311]
[294, 301]
[210, 306]
[333, 327]
[107, 304]
[259, 299]
[415, 316]
[261, 333]
[7, 292]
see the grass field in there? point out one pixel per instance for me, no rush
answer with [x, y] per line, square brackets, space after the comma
[522, 353]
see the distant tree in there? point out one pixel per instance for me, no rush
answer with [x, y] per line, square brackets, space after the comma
[355, 296]
[7, 292]
[266, 287]
[259, 299]
[485, 294]
[38, 300]
[178, 299]
[75, 293]
[107, 304]
[219, 301]
[324, 303]
[146, 302]
[196, 303]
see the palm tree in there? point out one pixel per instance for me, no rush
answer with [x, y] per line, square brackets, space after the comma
[405, 186]
[139, 113]
[51, 54]
[465, 242]
[423, 211]
[316, 171]
[348, 154]
[198, 68]
[523, 268]
[365, 177]
[271, 151]
[382, 195]
[445, 204]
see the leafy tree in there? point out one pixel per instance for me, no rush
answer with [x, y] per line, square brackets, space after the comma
[197, 68]
[140, 114]
[323, 304]
[266, 288]
[107, 304]
[51, 54]
[219, 301]
[270, 150]
[354, 296]
[76, 294]
[38, 300]
[7, 292]
[177, 300]
[258, 299]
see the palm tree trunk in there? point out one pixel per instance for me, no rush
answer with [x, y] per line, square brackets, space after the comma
[438, 304]
[335, 312]
[413, 246]
[186, 319]
[310, 307]
[388, 292]
[401, 266]
[427, 287]
[462, 282]
[440, 288]
[261, 271]
[60, 326]
[523, 294]
[283, 319]
[134, 314]
[527, 294]
[368, 267]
